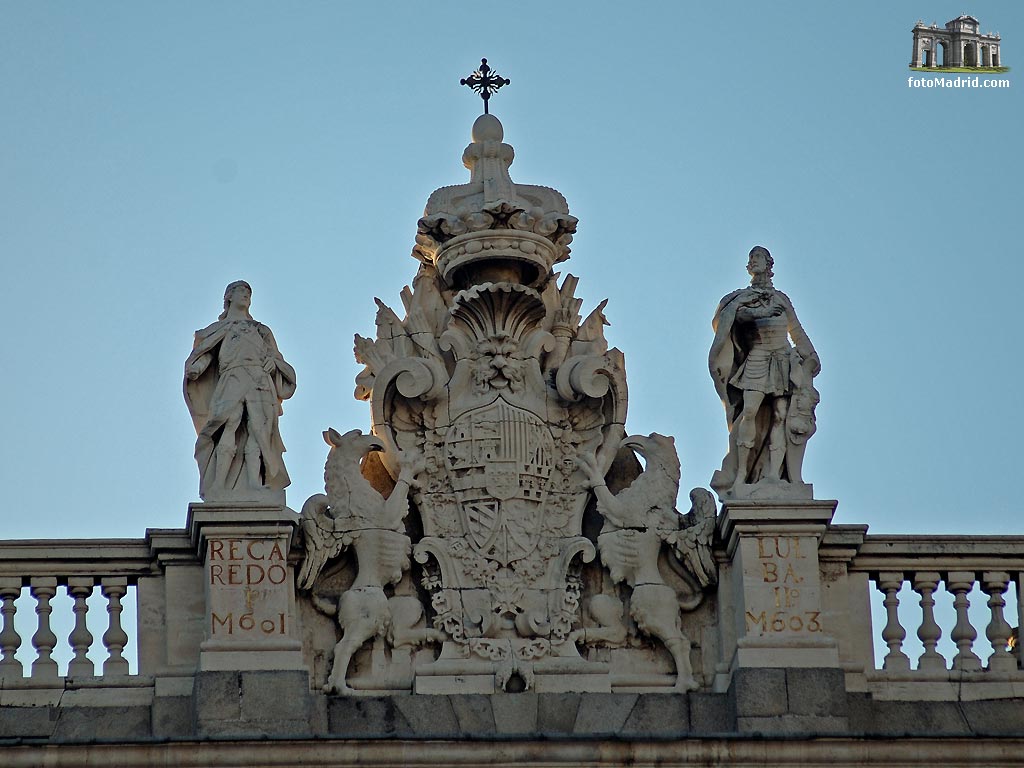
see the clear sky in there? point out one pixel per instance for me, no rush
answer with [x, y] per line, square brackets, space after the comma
[150, 153]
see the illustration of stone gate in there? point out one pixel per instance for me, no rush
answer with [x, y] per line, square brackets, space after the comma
[959, 44]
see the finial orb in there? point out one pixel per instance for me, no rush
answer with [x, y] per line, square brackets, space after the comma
[487, 128]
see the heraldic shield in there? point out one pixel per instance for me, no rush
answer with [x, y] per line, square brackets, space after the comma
[499, 459]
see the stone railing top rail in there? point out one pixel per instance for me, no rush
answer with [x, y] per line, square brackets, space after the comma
[142, 557]
[939, 553]
[132, 558]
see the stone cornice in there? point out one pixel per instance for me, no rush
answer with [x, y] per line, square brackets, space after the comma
[752, 750]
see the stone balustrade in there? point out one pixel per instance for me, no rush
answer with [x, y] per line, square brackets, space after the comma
[923, 586]
[80, 568]
[909, 572]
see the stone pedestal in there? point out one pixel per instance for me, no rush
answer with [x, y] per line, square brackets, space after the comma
[784, 675]
[250, 621]
[773, 586]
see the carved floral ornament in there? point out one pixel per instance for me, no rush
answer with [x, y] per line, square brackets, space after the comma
[497, 413]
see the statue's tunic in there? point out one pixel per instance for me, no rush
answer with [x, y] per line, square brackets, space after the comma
[766, 367]
[243, 353]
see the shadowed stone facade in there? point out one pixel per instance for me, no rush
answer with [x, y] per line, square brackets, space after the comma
[279, 705]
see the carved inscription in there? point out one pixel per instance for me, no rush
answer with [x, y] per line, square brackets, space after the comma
[237, 562]
[785, 598]
[246, 579]
[246, 622]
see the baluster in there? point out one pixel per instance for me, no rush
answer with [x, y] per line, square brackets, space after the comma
[994, 584]
[115, 638]
[10, 640]
[43, 588]
[80, 639]
[929, 633]
[963, 634]
[1018, 586]
[893, 633]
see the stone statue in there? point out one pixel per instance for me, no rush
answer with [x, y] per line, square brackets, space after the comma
[766, 385]
[353, 514]
[235, 380]
[637, 521]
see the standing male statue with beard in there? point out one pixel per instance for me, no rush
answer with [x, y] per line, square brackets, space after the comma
[766, 385]
[235, 380]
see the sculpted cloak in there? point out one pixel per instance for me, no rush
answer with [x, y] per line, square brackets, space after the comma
[728, 354]
[237, 380]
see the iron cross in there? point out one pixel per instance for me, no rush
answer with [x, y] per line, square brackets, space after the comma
[485, 82]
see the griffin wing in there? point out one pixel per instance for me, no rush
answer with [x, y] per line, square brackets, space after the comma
[692, 544]
[322, 541]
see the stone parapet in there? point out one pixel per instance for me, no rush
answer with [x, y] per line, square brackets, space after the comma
[237, 706]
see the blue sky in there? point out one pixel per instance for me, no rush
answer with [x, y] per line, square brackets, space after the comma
[151, 153]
